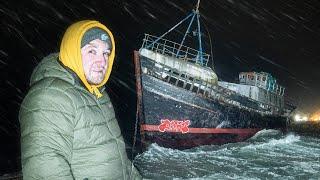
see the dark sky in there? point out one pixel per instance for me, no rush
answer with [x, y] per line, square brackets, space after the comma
[280, 37]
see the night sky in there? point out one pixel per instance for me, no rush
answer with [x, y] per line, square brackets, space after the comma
[280, 37]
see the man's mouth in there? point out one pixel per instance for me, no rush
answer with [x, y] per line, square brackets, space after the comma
[99, 69]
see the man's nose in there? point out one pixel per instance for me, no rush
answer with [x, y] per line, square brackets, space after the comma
[101, 60]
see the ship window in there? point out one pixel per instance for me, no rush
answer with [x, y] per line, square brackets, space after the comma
[252, 77]
[188, 86]
[173, 80]
[180, 83]
[201, 91]
[195, 89]
[264, 78]
[258, 78]
[174, 72]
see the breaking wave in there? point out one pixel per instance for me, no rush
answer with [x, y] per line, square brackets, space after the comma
[267, 155]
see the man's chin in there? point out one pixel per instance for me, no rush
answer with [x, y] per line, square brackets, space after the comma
[95, 81]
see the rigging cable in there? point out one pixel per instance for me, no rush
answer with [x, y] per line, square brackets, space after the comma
[210, 42]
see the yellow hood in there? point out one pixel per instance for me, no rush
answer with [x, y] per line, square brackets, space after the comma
[70, 52]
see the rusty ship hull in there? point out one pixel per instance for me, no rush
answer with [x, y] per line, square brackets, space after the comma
[175, 117]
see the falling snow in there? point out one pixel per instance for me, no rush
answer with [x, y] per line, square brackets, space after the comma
[280, 37]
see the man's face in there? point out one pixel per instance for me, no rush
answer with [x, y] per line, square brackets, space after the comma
[95, 56]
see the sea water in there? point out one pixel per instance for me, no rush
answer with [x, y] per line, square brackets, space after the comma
[268, 155]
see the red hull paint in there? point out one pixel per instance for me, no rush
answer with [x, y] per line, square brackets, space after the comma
[195, 137]
[146, 127]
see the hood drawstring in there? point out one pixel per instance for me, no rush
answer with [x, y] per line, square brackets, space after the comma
[96, 92]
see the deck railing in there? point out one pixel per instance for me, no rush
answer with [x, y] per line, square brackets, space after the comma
[173, 49]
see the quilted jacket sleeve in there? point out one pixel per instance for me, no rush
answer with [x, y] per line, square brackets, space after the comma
[46, 121]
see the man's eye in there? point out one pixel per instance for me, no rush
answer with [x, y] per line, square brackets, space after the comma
[106, 53]
[92, 52]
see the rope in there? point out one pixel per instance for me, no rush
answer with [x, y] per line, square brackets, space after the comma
[211, 51]
[169, 30]
[134, 140]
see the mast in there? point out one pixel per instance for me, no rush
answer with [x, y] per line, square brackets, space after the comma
[199, 34]
[197, 7]
[195, 16]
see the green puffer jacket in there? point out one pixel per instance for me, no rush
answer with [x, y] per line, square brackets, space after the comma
[66, 132]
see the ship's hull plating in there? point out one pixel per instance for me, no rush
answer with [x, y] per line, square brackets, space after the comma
[174, 117]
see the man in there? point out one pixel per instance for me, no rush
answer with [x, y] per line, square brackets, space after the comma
[68, 125]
